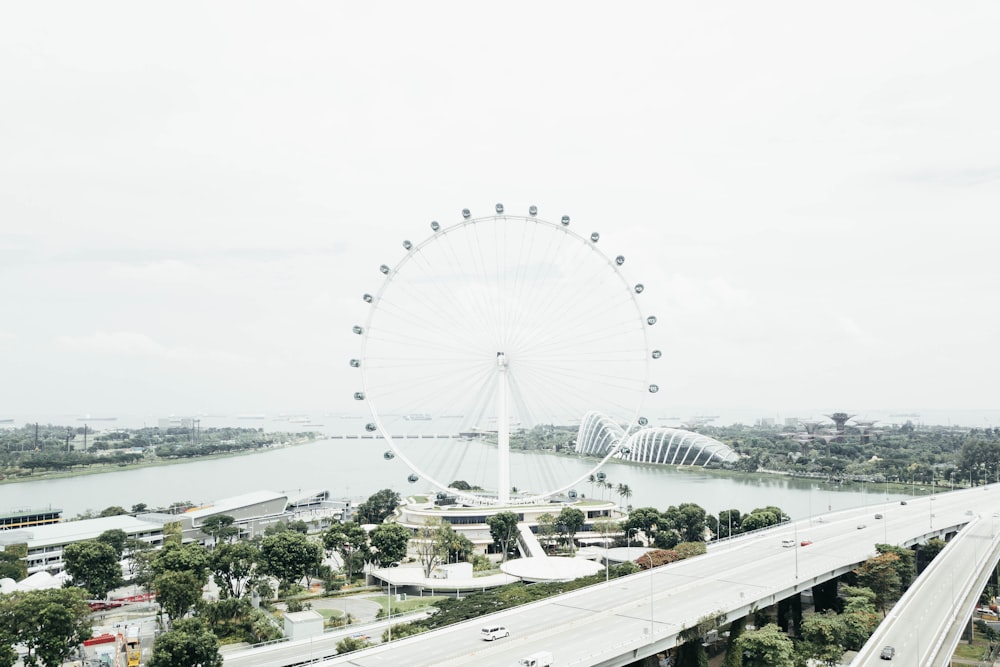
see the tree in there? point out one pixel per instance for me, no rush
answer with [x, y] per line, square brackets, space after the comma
[133, 547]
[906, 565]
[378, 507]
[220, 528]
[348, 540]
[114, 510]
[192, 558]
[824, 637]
[94, 566]
[177, 592]
[569, 522]
[606, 527]
[503, 530]
[762, 517]
[50, 624]
[645, 519]
[188, 644]
[733, 657]
[688, 519]
[116, 539]
[881, 575]
[729, 522]
[288, 557]
[427, 544]
[625, 492]
[456, 546]
[766, 647]
[860, 616]
[235, 568]
[12, 562]
[389, 542]
[546, 530]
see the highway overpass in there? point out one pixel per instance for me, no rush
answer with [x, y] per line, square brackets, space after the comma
[617, 623]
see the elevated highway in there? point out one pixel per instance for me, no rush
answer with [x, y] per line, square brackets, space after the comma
[619, 622]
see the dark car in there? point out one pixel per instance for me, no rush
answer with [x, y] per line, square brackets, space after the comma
[887, 653]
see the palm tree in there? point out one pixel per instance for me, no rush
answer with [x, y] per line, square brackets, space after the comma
[625, 492]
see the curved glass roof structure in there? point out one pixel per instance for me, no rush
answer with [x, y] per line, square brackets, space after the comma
[655, 444]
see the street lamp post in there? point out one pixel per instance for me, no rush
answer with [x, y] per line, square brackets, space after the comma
[796, 548]
[388, 596]
[650, 557]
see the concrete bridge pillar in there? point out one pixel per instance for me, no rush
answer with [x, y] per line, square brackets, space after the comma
[825, 595]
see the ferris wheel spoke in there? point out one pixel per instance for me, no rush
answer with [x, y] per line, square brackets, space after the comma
[501, 306]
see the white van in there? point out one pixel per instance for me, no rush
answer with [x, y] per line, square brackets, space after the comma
[788, 543]
[540, 659]
[491, 632]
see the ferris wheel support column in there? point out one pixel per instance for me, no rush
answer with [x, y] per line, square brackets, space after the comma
[503, 433]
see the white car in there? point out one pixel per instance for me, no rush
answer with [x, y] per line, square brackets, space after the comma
[491, 632]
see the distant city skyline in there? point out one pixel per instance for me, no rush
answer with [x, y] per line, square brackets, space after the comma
[193, 204]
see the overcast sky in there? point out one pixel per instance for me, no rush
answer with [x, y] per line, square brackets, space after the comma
[194, 196]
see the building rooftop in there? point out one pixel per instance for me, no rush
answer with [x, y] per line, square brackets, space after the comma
[236, 502]
[75, 531]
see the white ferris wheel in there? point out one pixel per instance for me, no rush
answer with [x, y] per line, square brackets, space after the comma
[486, 336]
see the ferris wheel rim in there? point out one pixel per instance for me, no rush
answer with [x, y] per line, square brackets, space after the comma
[414, 249]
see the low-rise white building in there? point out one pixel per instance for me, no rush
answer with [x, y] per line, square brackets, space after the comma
[46, 543]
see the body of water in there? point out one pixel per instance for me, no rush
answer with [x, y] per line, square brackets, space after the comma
[356, 469]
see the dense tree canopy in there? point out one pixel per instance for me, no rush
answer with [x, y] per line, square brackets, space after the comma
[188, 644]
[389, 542]
[350, 541]
[288, 557]
[378, 507]
[50, 623]
[766, 647]
[94, 566]
[235, 568]
[177, 592]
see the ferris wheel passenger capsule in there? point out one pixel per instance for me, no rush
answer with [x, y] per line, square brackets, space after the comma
[355, 363]
[359, 396]
[435, 225]
[412, 478]
[532, 210]
[657, 354]
[601, 476]
[499, 208]
[368, 298]
[653, 388]
[370, 427]
[357, 329]
[639, 287]
[571, 494]
[651, 320]
[466, 213]
[619, 260]
[643, 421]
[625, 450]
[407, 245]
[594, 237]
[384, 269]
[388, 456]
[565, 220]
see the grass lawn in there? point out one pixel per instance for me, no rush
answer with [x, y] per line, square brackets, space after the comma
[973, 651]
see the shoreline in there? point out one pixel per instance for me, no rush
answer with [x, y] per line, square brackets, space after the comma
[155, 463]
